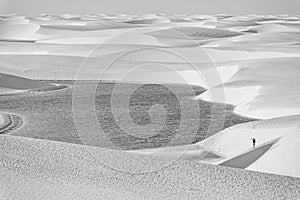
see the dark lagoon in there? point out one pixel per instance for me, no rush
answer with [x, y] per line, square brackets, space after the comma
[49, 115]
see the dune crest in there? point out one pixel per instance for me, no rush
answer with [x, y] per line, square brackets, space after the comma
[277, 140]
[273, 80]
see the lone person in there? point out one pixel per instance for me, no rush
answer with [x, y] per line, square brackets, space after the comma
[253, 142]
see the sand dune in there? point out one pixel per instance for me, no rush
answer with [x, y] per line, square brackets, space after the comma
[148, 21]
[18, 83]
[190, 36]
[37, 169]
[274, 28]
[268, 80]
[66, 67]
[186, 152]
[90, 26]
[17, 28]
[246, 159]
[10, 84]
[277, 140]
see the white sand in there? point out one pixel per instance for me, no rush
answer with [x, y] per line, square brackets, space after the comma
[277, 140]
[272, 87]
[37, 169]
[235, 145]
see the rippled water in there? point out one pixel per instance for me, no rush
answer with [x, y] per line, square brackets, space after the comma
[49, 115]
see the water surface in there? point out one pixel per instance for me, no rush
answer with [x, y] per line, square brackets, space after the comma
[48, 115]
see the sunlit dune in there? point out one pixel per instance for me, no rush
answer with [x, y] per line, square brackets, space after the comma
[274, 81]
[277, 140]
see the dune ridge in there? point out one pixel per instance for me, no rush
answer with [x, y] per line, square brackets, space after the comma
[273, 80]
[278, 139]
[35, 169]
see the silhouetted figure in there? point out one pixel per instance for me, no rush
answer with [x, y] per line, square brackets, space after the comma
[253, 142]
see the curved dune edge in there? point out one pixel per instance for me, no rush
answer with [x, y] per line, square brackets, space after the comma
[278, 141]
[34, 91]
[40, 169]
[185, 152]
[246, 159]
[9, 122]
[12, 85]
[260, 88]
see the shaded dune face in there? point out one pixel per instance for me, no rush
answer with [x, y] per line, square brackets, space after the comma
[195, 32]
[276, 140]
[246, 159]
[19, 83]
[191, 36]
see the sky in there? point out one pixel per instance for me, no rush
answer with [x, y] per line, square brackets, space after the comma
[236, 7]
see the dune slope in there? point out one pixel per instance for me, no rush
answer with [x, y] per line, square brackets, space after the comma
[276, 148]
[10, 84]
[37, 169]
